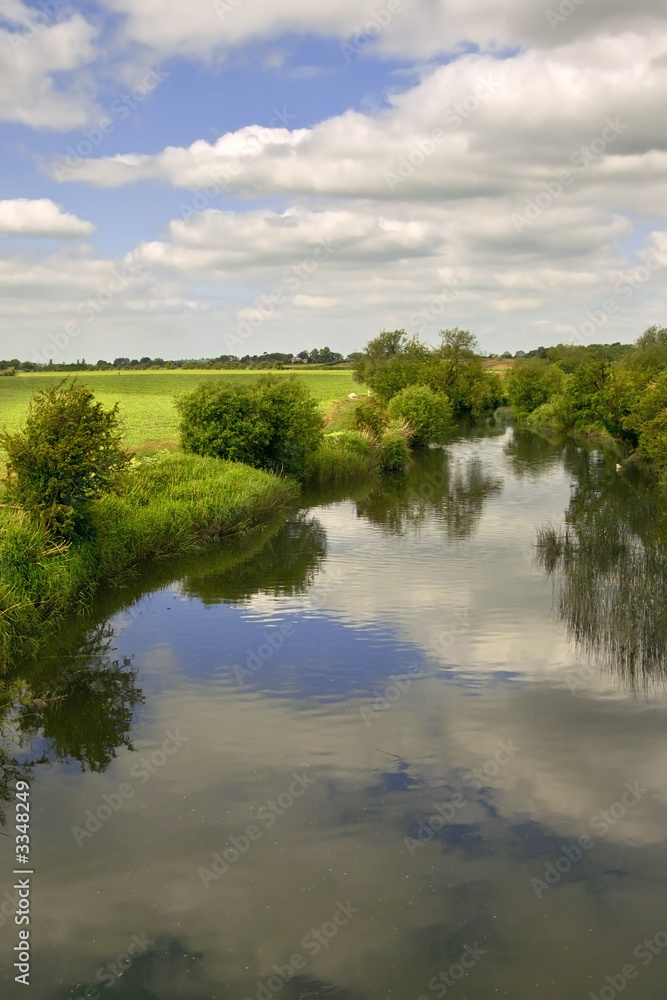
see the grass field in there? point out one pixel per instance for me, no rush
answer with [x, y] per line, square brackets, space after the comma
[146, 399]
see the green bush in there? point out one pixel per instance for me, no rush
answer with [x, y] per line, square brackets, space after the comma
[371, 415]
[272, 424]
[428, 413]
[394, 450]
[532, 383]
[7, 372]
[68, 453]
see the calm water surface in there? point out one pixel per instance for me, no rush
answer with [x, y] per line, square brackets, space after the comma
[390, 749]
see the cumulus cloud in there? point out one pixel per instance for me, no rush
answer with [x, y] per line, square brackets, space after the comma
[416, 29]
[40, 217]
[509, 190]
[39, 56]
[478, 127]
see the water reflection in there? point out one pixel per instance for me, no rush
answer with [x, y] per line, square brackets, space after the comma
[286, 566]
[436, 488]
[444, 843]
[609, 566]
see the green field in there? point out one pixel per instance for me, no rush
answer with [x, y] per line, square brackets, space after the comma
[146, 399]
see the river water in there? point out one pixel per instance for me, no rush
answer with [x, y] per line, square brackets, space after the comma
[392, 748]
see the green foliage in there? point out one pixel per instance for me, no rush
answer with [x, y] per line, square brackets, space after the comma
[371, 415]
[272, 424]
[428, 413]
[394, 450]
[68, 453]
[531, 383]
[344, 456]
[170, 503]
[393, 361]
[648, 420]
[7, 372]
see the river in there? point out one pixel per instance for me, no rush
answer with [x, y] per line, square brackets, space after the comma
[392, 748]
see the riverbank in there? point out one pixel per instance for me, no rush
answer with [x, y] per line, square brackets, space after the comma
[172, 502]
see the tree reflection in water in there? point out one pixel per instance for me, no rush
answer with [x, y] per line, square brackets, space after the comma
[609, 565]
[72, 705]
[76, 703]
[436, 488]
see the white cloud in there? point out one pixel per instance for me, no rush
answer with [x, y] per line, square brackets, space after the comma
[475, 128]
[36, 56]
[40, 217]
[508, 194]
[407, 28]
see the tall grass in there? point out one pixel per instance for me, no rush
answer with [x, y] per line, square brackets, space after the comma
[348, 455]
[171, 503]
[344, 456]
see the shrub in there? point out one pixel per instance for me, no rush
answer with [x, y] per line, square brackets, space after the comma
[7, 372]
[272, 424]
[394, 450]
[428, 413]
[531, 384]
[371, 415]
[68, 453]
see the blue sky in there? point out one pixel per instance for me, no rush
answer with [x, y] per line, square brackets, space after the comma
[386, 165]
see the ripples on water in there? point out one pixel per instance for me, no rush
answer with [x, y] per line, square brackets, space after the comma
[409, 744]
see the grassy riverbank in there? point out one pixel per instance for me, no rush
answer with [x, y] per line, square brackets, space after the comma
[147, 399]
[171, 503]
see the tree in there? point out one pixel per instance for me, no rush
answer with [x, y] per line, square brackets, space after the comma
[458, 344]
[69, 452]
[531, 383]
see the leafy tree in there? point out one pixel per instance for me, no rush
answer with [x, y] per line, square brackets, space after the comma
[69, 452]
[428, 413]
[531, 383]
[458, 344]
[393, 361]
